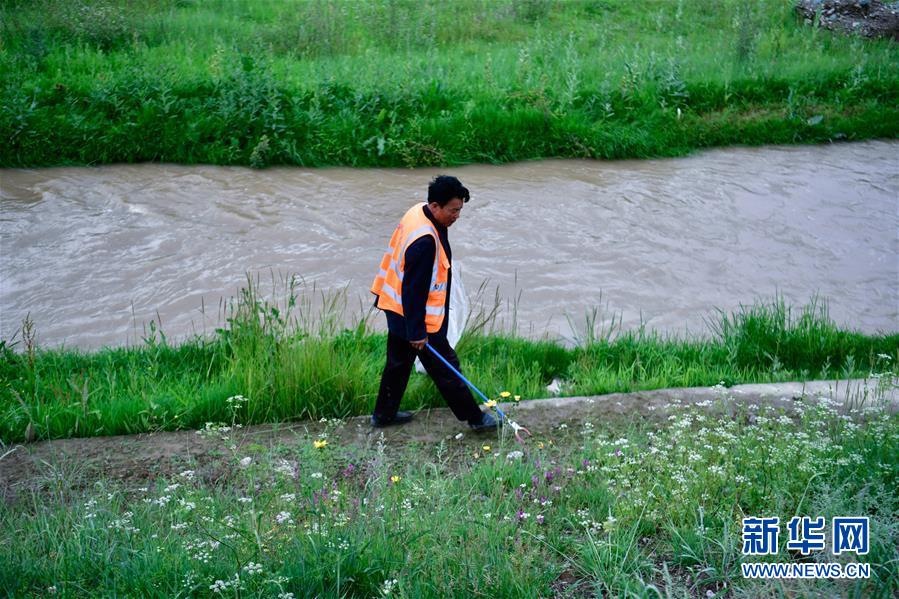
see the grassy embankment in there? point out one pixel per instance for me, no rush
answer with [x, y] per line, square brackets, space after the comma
[411, 83]
[297, 362]
[632, 509]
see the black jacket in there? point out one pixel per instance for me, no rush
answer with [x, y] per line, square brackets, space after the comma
[417, 271]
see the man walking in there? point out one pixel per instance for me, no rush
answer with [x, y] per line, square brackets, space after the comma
[412, 287]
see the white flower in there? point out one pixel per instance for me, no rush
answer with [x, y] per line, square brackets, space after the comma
[515, 455]
[253, 568]
[387, 587]
[317, 475]
[285, 596]
[188, 474]
[245, 499]
[286, 468]
[288, 497]
[283, 517]
[219, 586]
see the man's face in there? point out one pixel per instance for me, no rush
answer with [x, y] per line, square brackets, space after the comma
[448, 214]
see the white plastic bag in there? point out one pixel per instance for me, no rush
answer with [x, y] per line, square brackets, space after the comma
[458, 312]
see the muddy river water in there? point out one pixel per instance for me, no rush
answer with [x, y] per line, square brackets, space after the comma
[93, 254]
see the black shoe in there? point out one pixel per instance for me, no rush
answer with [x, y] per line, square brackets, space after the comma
[487, 423]
[400, 418]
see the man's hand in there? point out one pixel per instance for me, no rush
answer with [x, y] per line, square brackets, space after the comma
[419, 345]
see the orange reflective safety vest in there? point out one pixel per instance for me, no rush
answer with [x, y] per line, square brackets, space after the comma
[388, 284]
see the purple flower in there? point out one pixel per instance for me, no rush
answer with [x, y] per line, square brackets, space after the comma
[535, 480]
[618, 453]
[540, 518]
[349, 471]
[585, 463]
[548, 476]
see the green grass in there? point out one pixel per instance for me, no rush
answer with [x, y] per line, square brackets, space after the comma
[299, 362]
[409, 82]
[633, 508]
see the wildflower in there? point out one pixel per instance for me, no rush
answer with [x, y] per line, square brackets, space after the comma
[188, 474]
[387, 587]
[515, 455]
[283, 517]
[286, 468]
[609, 524]
[52, 590]
[486, 449]
[491, 403]
[523, 515]
[540, 445]
[285, 596]
[316, 475]
[540, 519]
[252, 568]
[288, 497]
[245, 462]
[319, 443]
[505, 394]
[245, 499]
[219, 586]
[395, 478]
[517, 398]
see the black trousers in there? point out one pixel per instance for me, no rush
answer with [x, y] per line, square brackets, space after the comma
[401, 357]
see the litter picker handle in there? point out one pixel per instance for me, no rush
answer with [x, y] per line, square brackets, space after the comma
[462, 376]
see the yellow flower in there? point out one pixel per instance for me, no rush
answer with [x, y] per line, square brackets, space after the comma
[491, 403]
[395, 479]
[486, 448]
[505, 394]
[540, 445]
[517, 398]
[319, 443]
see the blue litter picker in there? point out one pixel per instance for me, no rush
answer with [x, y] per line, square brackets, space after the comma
[516, 428]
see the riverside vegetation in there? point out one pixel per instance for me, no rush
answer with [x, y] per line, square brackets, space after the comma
[424, 82]
[623, 509]
[298, 361]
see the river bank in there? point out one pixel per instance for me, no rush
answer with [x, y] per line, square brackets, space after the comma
[411, 84]
[638, 495]
[291, 366]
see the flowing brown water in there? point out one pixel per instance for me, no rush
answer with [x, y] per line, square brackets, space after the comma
[95, 253]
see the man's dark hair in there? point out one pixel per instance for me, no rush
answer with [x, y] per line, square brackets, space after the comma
[444, 188]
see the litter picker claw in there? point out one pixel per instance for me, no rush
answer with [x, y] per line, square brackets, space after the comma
[516, 428]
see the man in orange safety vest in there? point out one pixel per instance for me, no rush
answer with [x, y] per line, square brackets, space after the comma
[412, 287]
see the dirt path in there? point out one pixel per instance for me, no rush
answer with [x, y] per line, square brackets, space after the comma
[143, 457]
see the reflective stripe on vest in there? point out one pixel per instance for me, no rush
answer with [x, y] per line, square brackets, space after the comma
[388, 282]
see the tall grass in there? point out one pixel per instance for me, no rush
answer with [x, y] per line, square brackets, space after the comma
[402, 82]
[295, 358]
